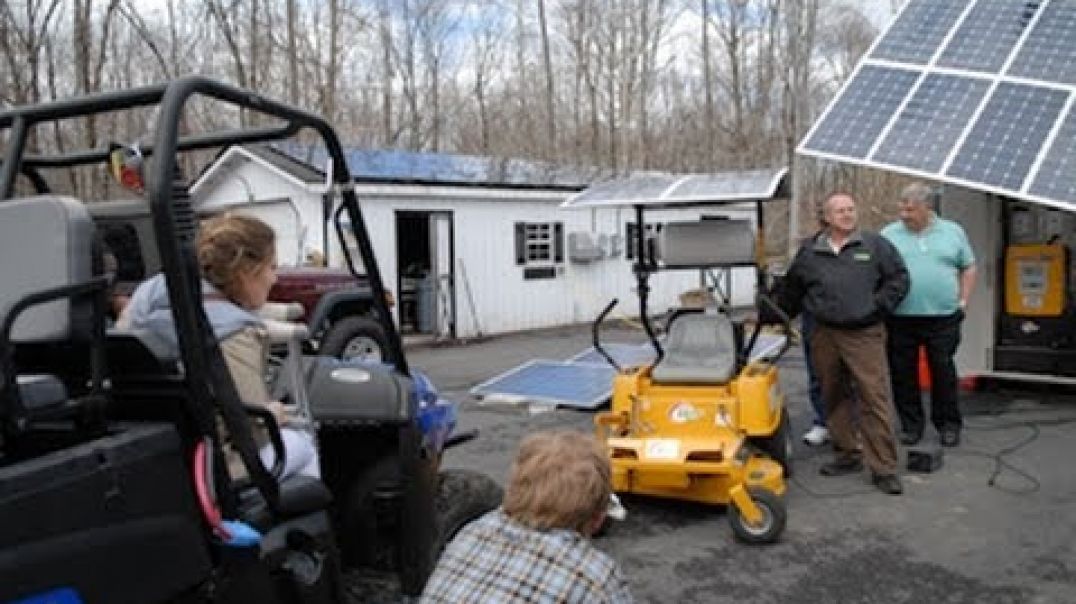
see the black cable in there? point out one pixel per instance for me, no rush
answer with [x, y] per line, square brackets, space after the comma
[1000, 463]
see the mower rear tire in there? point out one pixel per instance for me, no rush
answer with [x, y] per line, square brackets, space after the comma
[778, 446]
[774, 516]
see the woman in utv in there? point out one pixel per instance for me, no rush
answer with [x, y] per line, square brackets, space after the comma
[238, 261]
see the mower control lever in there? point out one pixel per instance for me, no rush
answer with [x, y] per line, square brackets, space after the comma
[596, 336]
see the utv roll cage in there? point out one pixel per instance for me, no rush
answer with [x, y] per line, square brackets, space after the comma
[207, 380]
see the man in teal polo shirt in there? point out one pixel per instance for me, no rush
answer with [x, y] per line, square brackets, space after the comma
[941, 266]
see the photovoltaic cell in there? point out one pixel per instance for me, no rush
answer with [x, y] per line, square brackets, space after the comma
[862, 111]
[930, 124]
[919, 30]
[1049, 52]
[987, 35]
[1056, 178]
[552, 383]
[671, 190]
[1008, 135]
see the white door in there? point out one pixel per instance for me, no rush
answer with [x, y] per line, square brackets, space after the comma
[441, 268]
[980, 215]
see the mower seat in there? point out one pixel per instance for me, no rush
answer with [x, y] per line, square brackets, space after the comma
[700, 349]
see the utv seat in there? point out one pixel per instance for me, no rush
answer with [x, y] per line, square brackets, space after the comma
[700, 349]
[50, 298]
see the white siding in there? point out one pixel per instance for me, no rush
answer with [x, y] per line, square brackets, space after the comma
[483, 227]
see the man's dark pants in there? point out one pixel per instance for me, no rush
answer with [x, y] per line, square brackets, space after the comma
[940, 336]
[858, 353]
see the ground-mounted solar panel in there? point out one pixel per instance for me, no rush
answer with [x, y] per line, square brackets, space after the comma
[987, 35]
[1056, 177]
[919, 31]
[552, 383]
[858, 116]
[930, 124]
[992, 82]
[1008, 135]
[625, 355]
[1049, 52]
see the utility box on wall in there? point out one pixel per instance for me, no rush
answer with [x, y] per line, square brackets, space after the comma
[584, 247]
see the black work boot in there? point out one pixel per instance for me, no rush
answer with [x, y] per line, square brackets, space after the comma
[840, 467]
[888, 483]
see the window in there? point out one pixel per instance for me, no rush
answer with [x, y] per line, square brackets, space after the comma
[539, 248]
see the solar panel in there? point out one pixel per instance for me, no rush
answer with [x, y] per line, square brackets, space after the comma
[626, 355]
[986, 37]
[1056, 178]
[1049, 53]
[581, 385]
[927, 129]
[966, 91]
[857, 118]
[683, 189]
[1008, 135]
[919, 30]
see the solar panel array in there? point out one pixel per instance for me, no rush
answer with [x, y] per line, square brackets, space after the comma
[663, 190]
[974, 92]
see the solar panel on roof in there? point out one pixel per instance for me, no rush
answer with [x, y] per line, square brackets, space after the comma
[1049, 53]
[986, 37]
[1056, 178]
[1008, 135]
[862, 111]
[919, 30]
[930, 124]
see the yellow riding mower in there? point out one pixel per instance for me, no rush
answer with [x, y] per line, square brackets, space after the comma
[706, 420]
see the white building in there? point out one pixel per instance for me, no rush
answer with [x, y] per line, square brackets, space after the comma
[504, 255]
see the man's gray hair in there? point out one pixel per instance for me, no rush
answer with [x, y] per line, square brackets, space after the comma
[917, 192]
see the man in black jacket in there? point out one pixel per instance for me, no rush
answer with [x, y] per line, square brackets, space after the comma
[850, 280]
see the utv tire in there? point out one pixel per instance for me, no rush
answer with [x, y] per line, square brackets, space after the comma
[462, 496]
[774, 516]
[369, 531]
[355, 338]
[778, 446]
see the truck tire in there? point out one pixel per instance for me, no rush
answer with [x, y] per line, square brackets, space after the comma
[462, 496]
[355, 338]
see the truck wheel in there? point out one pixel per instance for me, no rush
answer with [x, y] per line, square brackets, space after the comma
[462, 496]
[773, 520]
[355, 339]
[778, 445]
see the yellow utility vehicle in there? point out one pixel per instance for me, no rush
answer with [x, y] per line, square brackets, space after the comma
[706, 420]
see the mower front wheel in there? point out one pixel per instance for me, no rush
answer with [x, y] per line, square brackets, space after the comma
[772, 524]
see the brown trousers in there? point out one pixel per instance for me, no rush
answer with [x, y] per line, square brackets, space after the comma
[858, 353]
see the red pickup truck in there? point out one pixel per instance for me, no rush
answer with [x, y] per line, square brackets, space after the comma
[337, 308]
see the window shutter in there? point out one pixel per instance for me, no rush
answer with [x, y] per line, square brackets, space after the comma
[521, 243]
[629, 245]
[558, 242]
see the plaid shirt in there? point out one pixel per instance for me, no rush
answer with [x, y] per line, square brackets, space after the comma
[495, 559]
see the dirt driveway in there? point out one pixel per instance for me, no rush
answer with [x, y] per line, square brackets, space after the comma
[952, 537]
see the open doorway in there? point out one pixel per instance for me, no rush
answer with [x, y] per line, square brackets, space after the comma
[424, 255]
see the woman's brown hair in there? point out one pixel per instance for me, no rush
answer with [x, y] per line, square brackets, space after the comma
[560, 479]
[230, 244]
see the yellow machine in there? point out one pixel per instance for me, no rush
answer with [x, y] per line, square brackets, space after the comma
[1035, 280]
[702, 422]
